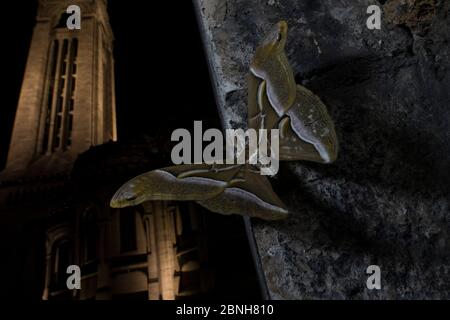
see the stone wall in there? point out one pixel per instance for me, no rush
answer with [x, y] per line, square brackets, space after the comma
[386, 200]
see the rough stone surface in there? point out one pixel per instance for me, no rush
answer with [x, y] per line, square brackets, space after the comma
[386, 200]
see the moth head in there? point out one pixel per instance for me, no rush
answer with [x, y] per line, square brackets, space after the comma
[273, 45]
[276, 37]
[128, 195]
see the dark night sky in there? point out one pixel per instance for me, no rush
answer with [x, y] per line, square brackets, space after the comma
[161, 73]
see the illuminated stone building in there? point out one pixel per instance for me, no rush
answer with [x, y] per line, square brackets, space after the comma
[66, 105]
[67, 101]
[64, 165]
[155, 251]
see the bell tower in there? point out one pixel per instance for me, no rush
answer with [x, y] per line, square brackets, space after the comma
[67, 100]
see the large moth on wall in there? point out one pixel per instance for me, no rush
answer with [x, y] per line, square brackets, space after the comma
[275, 101]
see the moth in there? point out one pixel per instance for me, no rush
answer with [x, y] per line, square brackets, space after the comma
[275, 101]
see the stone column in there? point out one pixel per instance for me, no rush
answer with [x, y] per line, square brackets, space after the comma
[164, 245]
[152, 256]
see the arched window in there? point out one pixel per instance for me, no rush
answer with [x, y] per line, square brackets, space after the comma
[185, 216]
[186, 238]
[188, 253]
[59, 103]
[61, 258]
[127, 220]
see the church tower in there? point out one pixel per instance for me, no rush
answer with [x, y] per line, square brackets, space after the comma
[67, 100]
